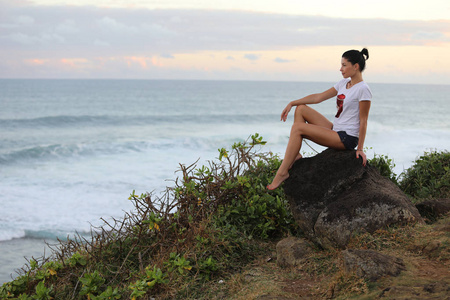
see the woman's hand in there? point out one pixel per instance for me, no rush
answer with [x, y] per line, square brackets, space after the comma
[360, 153]
[285, 112]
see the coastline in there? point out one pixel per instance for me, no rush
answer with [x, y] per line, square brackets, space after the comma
[16, 252]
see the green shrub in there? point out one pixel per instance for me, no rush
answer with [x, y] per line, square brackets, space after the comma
[178, 263]
[233, 191]
[42, 292]
[151, 278]
[92, 283]
[254, 211]
[15, 287]
[207, 267]
[209, 224]
[385, 166]
[110, 293]
[429, 177]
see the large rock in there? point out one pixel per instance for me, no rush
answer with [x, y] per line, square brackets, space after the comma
[371, 265]
[432, 209]
[292, 251]
[332, 196]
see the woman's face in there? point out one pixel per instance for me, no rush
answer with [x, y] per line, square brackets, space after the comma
[347, 68]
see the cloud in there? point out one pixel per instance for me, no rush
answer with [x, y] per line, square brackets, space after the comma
[115, 38]
[110, 24]
[428, 35]
[167, 55]
[36, 61]
[67, 27]
[101, 43]
[25, 20]
[282, 60]
[44, 38]
[138, 32]
[251, 56]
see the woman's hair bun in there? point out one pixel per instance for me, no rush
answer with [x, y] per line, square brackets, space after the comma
[365, 52]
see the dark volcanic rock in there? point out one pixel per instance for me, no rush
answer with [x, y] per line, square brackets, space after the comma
[332, 196]
[432, 209]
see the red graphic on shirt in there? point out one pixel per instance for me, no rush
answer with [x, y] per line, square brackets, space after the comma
[340, 104]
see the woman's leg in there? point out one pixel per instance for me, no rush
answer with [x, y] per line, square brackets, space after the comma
[316, 133]
[305, 114]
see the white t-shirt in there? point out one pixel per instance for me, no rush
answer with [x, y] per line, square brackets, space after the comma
[347, 100]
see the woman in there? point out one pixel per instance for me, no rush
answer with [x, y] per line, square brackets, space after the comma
[350, 123]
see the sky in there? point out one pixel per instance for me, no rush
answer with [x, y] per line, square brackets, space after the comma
[283, 40]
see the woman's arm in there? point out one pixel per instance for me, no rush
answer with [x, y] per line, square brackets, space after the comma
[364, 107]
[310, 99]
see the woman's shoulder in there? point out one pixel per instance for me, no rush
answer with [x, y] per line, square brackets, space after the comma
[364, 91]
[341, 83]
[344, 80]
[364, 85]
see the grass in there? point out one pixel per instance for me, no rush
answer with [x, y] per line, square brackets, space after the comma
[321, 275]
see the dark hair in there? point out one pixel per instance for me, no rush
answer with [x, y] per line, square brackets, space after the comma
[357, 57]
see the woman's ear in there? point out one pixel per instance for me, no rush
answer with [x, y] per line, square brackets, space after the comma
[356, 66]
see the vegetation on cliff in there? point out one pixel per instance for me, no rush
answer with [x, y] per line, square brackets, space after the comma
[202, 237]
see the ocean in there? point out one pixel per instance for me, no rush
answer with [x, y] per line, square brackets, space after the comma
[72, 151]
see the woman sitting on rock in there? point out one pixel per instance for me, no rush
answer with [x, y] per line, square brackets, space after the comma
[350, 123]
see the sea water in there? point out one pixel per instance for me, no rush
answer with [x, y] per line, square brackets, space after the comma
[72, 151]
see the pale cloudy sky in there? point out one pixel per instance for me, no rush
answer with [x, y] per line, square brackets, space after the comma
[409, 41]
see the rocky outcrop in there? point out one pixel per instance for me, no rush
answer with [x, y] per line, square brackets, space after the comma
[371, 265]
[332, 196]
[432, 209]
[291, 251]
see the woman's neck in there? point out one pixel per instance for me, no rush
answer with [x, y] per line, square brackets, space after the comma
[355, 79]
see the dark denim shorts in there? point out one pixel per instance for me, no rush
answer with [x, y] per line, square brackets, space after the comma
[350, 142]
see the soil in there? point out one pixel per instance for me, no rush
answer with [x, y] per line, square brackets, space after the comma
[427, 274]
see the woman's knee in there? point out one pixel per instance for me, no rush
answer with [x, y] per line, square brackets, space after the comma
[300, 108]
[298, 128]
[300, 113]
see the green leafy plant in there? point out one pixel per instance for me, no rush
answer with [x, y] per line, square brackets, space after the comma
[385, 166]
[207, 267]
[24, 297]
[108, 294]
[153, 276]
[17, 286]
[156, 276]
[429, 177]
[254, 211]
[153, 221]
[49, 269]
[138, 289]
[7, 290]
[178, 263]
[42, 292]
[77, 259]
[92, 283]
[33, 264]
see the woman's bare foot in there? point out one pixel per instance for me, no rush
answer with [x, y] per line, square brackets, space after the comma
[277, 181]
[299, 156]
